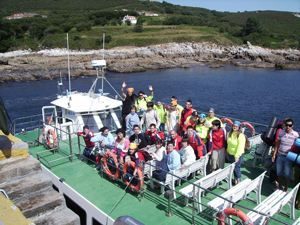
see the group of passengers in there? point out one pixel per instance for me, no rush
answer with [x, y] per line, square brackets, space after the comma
[191, 136]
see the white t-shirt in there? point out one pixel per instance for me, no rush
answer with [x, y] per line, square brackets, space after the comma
[173, 120]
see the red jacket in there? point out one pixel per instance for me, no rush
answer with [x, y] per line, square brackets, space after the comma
[87, 139]
[137, 158]
[155, 135]
[198, 145]
[177, 140]
[217, 139]
[184, 115]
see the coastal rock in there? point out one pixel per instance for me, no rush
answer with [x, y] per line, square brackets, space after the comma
[48, 64]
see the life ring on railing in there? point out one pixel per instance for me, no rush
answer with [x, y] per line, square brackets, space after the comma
[138, 187]
[250, 127]
[226, 120]
[106, 168]
[234, 212]
[51, 139]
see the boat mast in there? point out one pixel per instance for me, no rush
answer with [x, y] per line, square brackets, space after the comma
[103, 59]
[68, 63]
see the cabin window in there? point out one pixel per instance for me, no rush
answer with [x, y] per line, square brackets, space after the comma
[90, 121]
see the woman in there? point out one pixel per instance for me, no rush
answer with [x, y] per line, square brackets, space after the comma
[217, 145]
[170, 162]
[160, 151]
[121, 145]
[128, 100]
[202, 127]
[132, 119]
[136, 157]
[235, 148]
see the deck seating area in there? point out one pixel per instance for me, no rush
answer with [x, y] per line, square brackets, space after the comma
[274, 204]
[200, 164]
[206, 182]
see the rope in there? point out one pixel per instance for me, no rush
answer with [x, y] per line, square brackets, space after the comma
[120, 198]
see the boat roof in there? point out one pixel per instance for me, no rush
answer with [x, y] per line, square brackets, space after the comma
[84, 102]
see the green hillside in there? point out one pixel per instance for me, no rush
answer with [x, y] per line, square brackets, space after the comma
[85, 21]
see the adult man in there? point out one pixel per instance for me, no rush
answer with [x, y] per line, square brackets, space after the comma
[128, 100]
[161, 111]
[211, 117]
[196, 143]
[286, 139]
[150, 116]
[173, 118]
[176, 139]
[191, 121]
[87, 135]
[154, 134]
[188, 110]
[187, 153]
[179, 107]
[142, 100]
[142, 139]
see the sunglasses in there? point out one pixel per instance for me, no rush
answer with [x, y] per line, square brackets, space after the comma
[289, 125]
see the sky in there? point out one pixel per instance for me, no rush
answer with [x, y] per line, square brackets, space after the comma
[241, 5]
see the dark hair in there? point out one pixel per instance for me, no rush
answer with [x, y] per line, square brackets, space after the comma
[288, 120]
[121, 131]
[185, 139]
[174, 97]
[216, 123]
[158, 141]
[190, 101]
[132, 97]
[103, 129]
[152, 125]
[190, 127]
[135, 150]
[141, 92]
[150, 104]
[134, 126]
[132, 107]
[86, 127]
[171, 142]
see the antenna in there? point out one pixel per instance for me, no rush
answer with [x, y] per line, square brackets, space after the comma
[68, 63]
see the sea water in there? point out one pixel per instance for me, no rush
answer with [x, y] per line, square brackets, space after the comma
[250, 94]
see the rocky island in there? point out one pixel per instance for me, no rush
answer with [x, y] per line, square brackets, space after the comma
[48, 64]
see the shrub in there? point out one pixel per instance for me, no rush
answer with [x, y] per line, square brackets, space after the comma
[138, 28]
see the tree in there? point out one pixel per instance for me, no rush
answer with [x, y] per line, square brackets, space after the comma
[138, 28]
[128, 22]
[252, 26]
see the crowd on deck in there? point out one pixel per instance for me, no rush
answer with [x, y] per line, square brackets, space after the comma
[190, 136]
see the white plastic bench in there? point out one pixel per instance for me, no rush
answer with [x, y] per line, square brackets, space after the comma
[200, 164]
[206, 182]
[238, 192]
[274, 204]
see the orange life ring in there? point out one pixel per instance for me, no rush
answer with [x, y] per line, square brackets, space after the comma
[50, 133]
[234, 212]
[106, 168]
[250, 127]
[139, 173]
[226, 120]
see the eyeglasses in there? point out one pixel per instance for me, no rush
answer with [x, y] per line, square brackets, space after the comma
[289, 125]
[141, 95]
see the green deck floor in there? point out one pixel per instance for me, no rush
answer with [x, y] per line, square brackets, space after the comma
[104, 192]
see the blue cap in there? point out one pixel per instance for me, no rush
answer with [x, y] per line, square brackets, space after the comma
[158, 100]
[202, 115]
[211, 109]
[237, 123]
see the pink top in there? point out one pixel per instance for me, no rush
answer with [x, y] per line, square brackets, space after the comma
[287, 141]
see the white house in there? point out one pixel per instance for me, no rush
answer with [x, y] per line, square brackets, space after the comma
[131, 18]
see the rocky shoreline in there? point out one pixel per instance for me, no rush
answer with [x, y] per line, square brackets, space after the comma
[47, 64]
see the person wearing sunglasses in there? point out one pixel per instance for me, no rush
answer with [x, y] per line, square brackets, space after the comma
[286, 139]
[141, 102]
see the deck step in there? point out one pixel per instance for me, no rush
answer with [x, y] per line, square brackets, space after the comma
[65, 216]
[27, 185]
[12, 168]
[41, 203]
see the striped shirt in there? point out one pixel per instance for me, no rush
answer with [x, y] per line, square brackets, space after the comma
[286, 141]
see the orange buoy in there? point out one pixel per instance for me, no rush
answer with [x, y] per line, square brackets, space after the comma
[106, 168]
[51, 139]
[226, 120]
[250, 127]
[234, 212]
[138, 187]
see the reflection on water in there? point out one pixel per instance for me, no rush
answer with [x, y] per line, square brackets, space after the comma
[248, 93]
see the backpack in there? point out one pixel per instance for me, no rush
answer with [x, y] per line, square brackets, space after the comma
[146, 155]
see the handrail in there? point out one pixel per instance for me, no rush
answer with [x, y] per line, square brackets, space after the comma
[5, 194]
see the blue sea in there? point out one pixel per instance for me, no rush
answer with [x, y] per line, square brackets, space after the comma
[249, 94]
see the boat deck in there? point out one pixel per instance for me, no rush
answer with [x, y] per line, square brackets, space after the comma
[104, 193]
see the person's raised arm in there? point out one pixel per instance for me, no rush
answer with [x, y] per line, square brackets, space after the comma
[122, 90]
